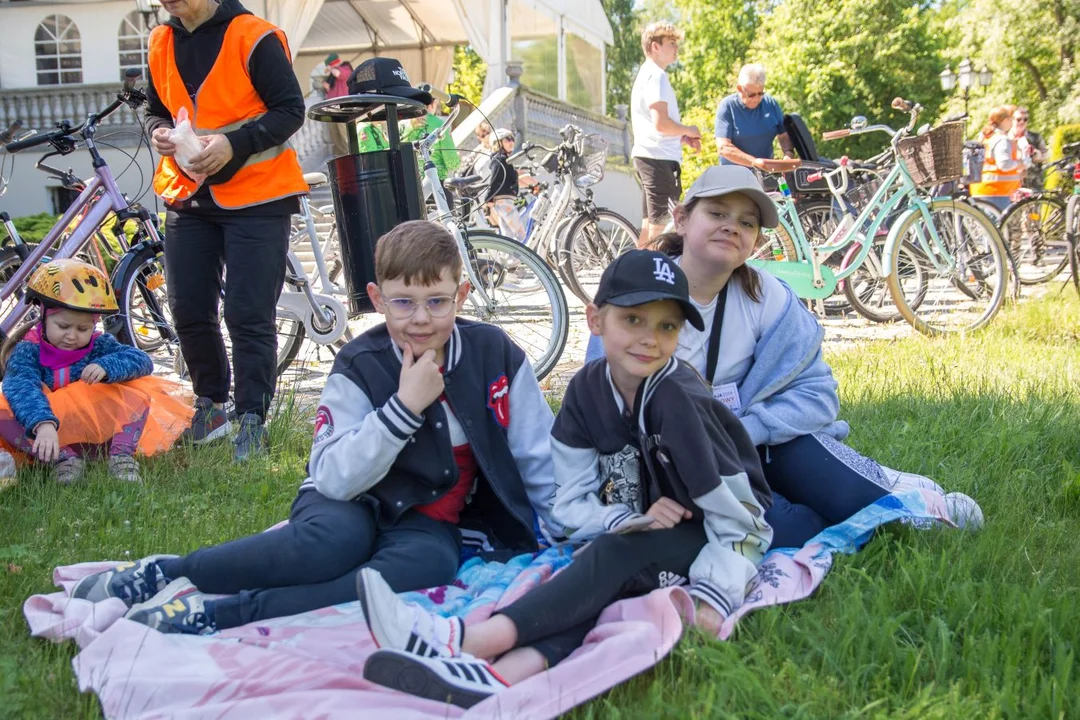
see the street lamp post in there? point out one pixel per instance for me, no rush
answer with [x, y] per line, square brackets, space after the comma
[966, 77]
[149, 10]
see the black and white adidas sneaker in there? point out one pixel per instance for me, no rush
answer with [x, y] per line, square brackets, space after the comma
[462, 681]
[398, 625]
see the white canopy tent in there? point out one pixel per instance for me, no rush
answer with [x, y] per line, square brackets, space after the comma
[562, 42]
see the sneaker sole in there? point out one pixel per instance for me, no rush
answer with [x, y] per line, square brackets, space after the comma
[217, 433]
[414, 678]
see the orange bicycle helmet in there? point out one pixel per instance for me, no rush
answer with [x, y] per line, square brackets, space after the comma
[74, 285]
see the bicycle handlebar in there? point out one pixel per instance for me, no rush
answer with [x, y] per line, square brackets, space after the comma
[128, 95]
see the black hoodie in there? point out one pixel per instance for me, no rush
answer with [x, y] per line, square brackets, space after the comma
[271, 72]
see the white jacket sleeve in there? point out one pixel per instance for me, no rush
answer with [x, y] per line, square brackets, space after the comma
[355, 443]
[529, 437]
[738, 538]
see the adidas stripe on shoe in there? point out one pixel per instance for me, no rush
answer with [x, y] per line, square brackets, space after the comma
[398, 625]
[462, 681]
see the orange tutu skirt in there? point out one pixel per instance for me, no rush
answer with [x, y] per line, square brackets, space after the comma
[93, 414]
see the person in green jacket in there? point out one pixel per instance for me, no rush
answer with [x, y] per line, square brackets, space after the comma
[445, 154]
[371, 136]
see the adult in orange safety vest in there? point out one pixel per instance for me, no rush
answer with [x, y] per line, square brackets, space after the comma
[229, 206]
[1005, 166]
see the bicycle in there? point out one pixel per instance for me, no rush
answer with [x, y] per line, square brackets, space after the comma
[1035, 227]
[139, 270]
[537, 320]
[955, 245]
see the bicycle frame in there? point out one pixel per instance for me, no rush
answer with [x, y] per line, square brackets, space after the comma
[95, 214]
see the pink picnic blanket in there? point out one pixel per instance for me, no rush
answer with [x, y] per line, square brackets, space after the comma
[311, 665]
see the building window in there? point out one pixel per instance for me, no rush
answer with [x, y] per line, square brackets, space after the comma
[134, 38]
[59, 51]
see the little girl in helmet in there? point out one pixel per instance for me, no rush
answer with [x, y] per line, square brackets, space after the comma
[69, 389]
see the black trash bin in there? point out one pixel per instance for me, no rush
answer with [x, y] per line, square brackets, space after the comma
[373, 193]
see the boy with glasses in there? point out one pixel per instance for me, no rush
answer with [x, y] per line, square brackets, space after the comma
[747, 122]
[1033, 145]
[431, 432]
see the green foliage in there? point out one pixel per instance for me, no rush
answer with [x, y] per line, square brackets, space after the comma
[470, 72]
[33, 228]
[1063, 135]
[718, 37]
[693, 164]
[1030, 46]
[624, 55]
[829, 60]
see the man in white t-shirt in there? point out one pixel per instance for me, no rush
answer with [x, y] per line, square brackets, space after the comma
[658, 133]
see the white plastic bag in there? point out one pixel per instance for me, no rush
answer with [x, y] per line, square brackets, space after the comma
[187, 143]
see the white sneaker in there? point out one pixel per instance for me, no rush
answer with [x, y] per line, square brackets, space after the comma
[899, 482]
[398, 625]
[964, 511]
[462, 681]
[179, 608]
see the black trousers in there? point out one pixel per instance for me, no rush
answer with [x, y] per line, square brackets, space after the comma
[555, 617]
[311, 563]
[251, 250]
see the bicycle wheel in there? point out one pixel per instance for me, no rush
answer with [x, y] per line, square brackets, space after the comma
[774, 244]
[1072, 236]
[591, 243]
[867, 290]
[964, 290]
[538, 321]
[144, 305]
[9, 263]
[1034, 233]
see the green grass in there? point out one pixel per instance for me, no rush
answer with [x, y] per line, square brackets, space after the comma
[938, 624]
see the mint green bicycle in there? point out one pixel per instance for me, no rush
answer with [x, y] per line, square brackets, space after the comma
[943, 261]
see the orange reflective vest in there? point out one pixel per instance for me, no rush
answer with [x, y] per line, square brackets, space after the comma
[999, 183]
[225, 101]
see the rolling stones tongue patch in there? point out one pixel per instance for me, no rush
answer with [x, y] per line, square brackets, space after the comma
[499, 400]
[324, 424]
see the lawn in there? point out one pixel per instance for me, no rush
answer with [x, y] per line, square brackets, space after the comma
[931, 624]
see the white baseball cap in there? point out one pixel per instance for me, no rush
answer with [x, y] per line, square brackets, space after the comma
[721, 180]
[503, 133]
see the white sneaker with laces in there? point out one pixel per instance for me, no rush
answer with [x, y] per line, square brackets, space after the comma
[899, 482]
[964, 511]
[463, 681]
[398, 625]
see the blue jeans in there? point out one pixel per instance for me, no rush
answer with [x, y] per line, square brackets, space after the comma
[816, 482]
[312, 562]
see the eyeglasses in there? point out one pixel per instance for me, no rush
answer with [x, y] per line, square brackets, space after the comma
[404, 308]
[751, 96]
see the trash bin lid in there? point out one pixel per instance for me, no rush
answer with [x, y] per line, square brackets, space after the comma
[369, 107]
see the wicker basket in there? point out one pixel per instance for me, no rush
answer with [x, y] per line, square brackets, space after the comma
[936, 156]
[864, 185]
[592, 156]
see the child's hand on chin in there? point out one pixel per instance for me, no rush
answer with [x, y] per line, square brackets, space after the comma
[707, 618]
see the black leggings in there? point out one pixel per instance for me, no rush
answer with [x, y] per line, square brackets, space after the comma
[555, 617]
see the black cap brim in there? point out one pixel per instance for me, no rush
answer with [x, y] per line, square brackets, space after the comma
[408, 91]
[647, 296]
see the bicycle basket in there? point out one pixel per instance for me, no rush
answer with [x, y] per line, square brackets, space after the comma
[864, 185]
[936, 156]
[588, 166]
[974, 157]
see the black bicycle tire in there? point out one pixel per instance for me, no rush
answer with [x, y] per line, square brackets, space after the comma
[560, 310]
[577, 226]
[1003, 226]
[864, 310]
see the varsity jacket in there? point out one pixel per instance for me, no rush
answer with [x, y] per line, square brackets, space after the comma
[369, 446]
[24, 376]
[612, 463]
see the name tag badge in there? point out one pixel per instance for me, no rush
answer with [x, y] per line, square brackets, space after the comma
[728, 393]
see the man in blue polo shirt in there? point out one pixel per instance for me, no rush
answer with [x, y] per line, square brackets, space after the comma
[747, 121]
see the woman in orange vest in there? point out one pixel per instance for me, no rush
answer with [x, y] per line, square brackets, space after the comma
[229, 205]
[1004, 167]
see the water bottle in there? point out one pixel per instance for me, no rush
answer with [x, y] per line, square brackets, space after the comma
[1076, 179]
[782, 184]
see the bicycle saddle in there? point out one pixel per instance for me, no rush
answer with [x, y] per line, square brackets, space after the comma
[462, 183]
[315, 179]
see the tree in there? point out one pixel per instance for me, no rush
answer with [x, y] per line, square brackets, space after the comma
[624, 54]
[1032, 48]
[829, 60]
[719, 34]
[470, 71]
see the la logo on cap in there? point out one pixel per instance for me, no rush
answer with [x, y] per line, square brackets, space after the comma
[663, 271]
